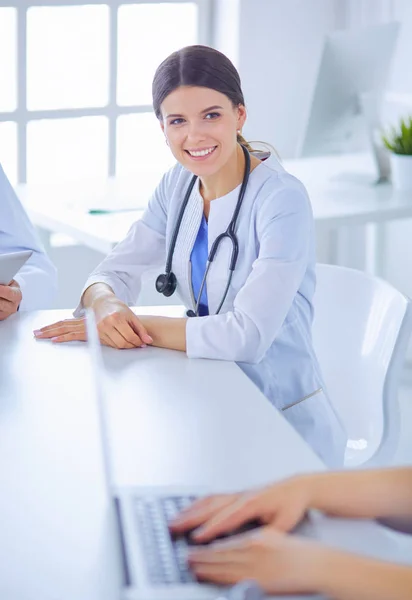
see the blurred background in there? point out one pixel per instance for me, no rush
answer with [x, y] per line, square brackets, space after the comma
[75, 99]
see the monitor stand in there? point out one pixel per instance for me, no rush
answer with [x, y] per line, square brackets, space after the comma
[369, 110]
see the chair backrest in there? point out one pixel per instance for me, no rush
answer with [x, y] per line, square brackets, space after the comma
[361, 331]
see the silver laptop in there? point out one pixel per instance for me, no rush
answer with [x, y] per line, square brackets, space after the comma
[154, 564]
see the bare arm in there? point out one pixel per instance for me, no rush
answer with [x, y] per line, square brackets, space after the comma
[166, 332]
[380, 493]
[348, 577]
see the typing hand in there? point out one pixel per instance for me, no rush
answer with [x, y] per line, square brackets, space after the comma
[281, 505]
[117, 325]
[277, 562]
[10, 298]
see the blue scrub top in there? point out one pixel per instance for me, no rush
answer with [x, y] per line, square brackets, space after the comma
[198, 259]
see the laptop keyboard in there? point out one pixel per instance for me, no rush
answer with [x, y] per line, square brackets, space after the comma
[165, 556]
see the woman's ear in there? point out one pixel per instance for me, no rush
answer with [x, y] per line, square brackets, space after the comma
[241, 116]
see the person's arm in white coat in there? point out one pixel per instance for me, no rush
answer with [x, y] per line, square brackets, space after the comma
[285, 227]
[115, 283]
[37, 279]
[144, 247]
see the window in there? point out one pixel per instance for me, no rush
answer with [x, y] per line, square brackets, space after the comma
[76, 84]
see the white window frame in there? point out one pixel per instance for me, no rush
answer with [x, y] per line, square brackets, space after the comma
[21, 116]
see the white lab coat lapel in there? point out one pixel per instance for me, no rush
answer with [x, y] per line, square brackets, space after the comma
[184, 244]
[220, 215]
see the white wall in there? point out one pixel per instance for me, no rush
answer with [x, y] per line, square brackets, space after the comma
[279, 48]
[401, 80]
[276, 46]
[399, 234]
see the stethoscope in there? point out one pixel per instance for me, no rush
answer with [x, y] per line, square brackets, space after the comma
[166, 283]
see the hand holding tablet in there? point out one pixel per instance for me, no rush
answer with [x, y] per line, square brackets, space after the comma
[10, 293]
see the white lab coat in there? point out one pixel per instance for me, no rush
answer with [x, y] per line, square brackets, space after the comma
[37, 278]
[265, 322]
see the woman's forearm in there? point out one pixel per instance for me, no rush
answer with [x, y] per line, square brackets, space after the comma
[350, 577]
[95, 292]
[364, 494]
[166, 332]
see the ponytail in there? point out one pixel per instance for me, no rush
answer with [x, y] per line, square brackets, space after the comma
[241, 140]
[247, 145]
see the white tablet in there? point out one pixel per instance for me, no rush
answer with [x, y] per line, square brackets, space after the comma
[11, 263]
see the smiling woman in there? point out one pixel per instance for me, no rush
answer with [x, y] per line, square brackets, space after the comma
[237, 237]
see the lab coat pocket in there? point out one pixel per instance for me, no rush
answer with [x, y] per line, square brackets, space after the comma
[315, 420]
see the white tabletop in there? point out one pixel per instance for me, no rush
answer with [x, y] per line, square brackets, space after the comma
[341, 189]
[173, 421]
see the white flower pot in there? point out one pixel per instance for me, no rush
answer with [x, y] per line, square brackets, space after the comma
[401, 169]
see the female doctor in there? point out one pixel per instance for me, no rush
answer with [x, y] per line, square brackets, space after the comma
[234, 236]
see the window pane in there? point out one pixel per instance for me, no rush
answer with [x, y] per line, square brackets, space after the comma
[67, 57]
[148, 33]
[67, 149]
[8, 149]
[8, 55]
[141, 150]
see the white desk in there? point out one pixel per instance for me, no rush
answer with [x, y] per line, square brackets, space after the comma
[340, 188]
[173, 421]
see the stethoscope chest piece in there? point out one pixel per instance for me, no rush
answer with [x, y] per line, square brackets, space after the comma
[166, 284]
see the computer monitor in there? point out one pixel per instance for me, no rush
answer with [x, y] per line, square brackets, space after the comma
[351, 79]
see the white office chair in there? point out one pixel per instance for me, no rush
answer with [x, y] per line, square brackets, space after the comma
[361, 330]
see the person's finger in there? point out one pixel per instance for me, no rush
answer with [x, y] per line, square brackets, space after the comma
[140, 329]
[117, 321]
[127, 332]
[105, 340]
[116, 340]
[199, 512]
[7, 293]
[227, 548]
[285, 520]
[228, 519]
[78, 335]
[60, 328]
[69, 323]
[5, 305]
[222, 574]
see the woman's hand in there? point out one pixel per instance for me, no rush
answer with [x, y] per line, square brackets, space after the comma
[281, 505]
[117, 325]
[279, 563]
[10, 298]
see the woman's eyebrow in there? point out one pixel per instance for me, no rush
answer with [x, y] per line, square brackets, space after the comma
[206, 110]
[210, 109]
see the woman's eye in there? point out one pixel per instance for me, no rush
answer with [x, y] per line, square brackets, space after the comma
[176, 122]
[212, 115]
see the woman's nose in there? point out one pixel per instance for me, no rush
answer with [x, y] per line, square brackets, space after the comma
[195, 132]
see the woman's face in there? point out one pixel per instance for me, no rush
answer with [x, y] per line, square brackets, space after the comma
[201, 126]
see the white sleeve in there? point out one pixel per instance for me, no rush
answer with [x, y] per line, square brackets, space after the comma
[245, 334]
[143, 248]
[37, 278]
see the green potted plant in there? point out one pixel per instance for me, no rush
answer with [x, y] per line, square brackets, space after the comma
[399, 142]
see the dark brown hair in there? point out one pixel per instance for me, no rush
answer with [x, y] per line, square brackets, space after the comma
[200, 66]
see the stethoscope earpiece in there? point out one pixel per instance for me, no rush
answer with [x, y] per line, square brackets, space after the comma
[166, 284]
